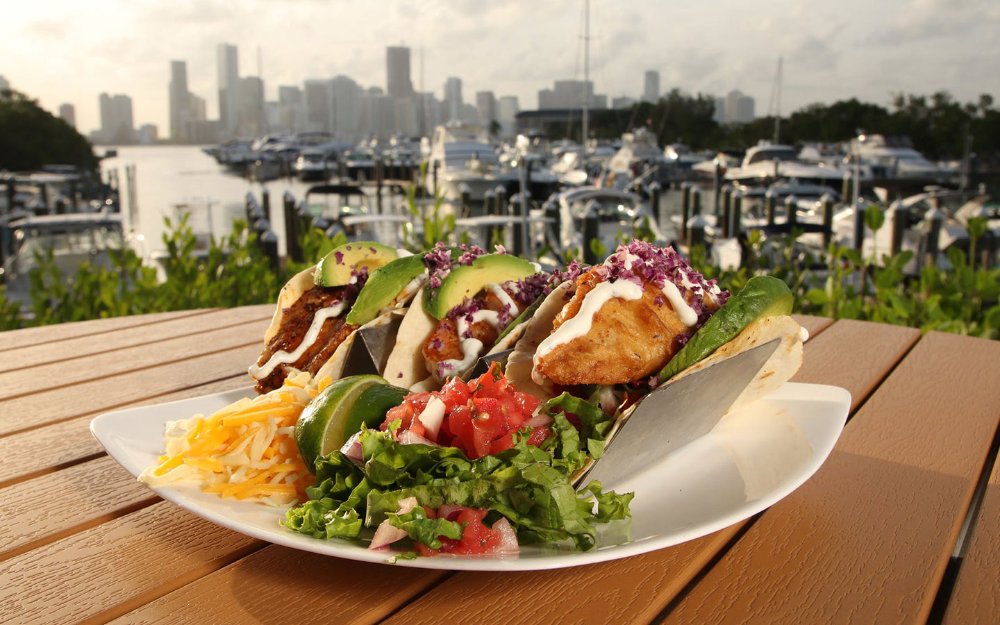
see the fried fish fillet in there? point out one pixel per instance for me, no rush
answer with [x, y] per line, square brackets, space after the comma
[628, 339]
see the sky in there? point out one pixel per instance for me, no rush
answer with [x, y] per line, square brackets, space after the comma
[70, 51]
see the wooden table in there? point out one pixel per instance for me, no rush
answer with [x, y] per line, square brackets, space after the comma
[876, 536]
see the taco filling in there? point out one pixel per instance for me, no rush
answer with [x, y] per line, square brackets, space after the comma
[626, 319]
[311, 330]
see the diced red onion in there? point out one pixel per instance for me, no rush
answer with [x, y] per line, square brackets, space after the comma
[449, 511]
[386, 533]
[508, 539]
[352, 448]
[433, 416]
[406, 437]
[538, 420]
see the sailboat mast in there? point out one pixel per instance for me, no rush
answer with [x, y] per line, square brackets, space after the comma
[777, 103]
[586, 71]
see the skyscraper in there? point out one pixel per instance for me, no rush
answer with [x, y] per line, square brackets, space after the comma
[738, 108]
[453, 98]
[507, 110]
[397, 71]
[651, 86]
[4, 84]
[486, 107]
[229, 87]
[180, 102]
[251, 107]
[68, 114]
[117, 125]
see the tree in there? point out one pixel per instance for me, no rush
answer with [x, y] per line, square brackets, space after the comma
[31, 137]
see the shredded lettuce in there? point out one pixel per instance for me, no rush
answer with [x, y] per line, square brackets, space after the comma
[529, 485]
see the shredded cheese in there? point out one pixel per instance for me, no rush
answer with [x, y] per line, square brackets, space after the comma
[244, 451]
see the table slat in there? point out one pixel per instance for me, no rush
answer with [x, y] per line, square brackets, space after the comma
[115, 567]
[148, 335]
[108, 393]
[636, 589]
[65, 377]
[69, 442]
[278, 584]
[93, 492]
[976, 597]
[867, 539]
[47, 334]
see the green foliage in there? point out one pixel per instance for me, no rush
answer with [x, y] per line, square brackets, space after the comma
[844, 285]
[31, 137]
[937, 124]
[231, 272]
[437, 225]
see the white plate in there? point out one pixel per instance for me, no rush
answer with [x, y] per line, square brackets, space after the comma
[753, 458]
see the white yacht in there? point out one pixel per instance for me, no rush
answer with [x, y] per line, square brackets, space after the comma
[464, 160]
[775, 162]
[896, 158]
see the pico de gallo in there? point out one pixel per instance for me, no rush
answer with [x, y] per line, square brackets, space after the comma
[472, 469]
[479, 417]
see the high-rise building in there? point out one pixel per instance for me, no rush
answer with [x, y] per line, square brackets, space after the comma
[346, 107]
[651, 86]
[318, 108]
[227, 62]
[738, 108]
[453, 98]
[486, 108]
[570, 94]
[291, 109]
[4, 84]
[397, 65]
[117, 125]
[622, 102]
[719, 114]
[251, 107]
[180, 102]
[68, 114]
[507, 110]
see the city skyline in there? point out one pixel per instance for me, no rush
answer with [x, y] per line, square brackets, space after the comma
[68, 53]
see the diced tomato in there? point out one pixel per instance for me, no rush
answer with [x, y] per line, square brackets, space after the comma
[481, 416]
[477, 538]
[539, 434]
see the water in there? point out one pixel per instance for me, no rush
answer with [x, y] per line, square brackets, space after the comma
[168, 177]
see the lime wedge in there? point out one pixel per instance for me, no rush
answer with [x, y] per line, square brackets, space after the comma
[336, 413]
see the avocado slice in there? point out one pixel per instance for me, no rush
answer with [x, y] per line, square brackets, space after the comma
[465, 281]
[336, 267]
[763, 296]
[383, 287]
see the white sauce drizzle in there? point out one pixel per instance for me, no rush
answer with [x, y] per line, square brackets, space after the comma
[471, 346]
[580, 324]
[283, 357]
[686, 314]
[505, 299]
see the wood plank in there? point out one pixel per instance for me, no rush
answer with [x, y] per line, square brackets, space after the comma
[86, 346]
[99, 490]
[108, 393]
[867, 540]
[644, 584]
[67, 377]
[47, 334]
[278, 584]
[976, 597]
[115, 567]
[814, 325]
[47, 449]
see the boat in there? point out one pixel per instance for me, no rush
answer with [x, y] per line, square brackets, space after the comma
[73, 239]
[462, 161]
[894, 158]
[769, 162]
[313, 164]
[638, 157]
[620, 214]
